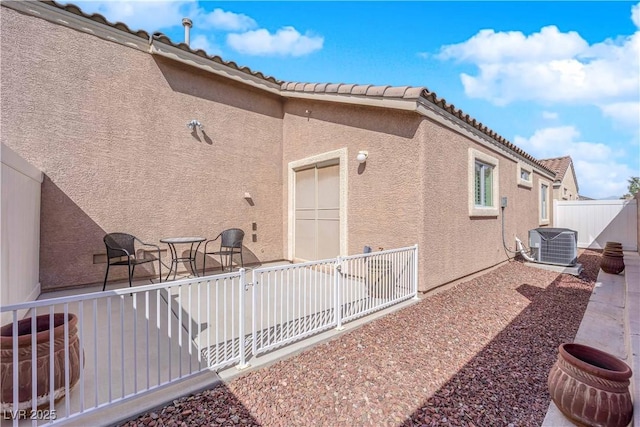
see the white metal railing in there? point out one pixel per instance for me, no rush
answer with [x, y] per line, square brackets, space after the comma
[114, 345]
[129, 341]
[291, 302]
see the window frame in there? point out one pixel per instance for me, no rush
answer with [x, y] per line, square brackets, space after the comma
[476, 156]
[544, 197]
[523, 182]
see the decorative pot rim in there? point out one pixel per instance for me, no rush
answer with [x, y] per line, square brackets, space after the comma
[6, 339]
[609, 365]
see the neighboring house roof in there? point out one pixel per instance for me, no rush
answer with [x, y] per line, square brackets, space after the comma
[560, 165]
[346, 92]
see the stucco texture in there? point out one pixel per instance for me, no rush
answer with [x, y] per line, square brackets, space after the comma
[569, 184]
[413, 188]
[107, 125]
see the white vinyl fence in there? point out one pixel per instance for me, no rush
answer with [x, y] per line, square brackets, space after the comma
[111, 346]
[599, 221]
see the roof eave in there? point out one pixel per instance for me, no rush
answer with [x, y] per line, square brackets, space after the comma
[428, 109]
[207, 64]
[384, 102]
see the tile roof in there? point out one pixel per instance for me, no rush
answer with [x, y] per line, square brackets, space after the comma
[157, 36]
[384, 92]
[408, 93]
[559, 165]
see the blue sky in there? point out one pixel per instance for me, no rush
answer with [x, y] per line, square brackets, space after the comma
[555, 78]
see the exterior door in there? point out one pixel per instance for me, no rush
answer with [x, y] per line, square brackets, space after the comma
[317, 212]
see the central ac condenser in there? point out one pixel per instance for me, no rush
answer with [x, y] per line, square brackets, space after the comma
[554, 245]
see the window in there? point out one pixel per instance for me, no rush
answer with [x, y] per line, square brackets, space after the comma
[525, 175]
[482, 184]
[544, 202]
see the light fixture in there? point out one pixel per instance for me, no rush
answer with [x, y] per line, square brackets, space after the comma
[362, 156]
[194, 123]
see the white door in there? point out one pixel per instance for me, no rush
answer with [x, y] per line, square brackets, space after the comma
[317, 211]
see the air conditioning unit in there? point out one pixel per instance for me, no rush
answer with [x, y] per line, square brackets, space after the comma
[557, 246]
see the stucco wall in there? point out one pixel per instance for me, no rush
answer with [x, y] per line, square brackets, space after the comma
[570, 184]
[457, 244]
[107, 125]
[384, 194]
[414, 187]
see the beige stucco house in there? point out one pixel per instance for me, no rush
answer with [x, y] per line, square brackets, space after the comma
[102, 111]
[565, 184]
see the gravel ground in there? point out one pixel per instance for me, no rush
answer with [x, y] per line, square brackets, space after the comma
[477, 354]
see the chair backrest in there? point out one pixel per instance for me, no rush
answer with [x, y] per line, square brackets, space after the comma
[232, 238]
[119, 241]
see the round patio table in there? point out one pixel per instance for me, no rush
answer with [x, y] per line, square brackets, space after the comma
[191, 257]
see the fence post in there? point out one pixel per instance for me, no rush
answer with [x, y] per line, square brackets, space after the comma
[415, 271]
[337, 300]
[241, 326]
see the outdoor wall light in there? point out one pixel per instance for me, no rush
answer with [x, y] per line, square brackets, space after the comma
[194, 123]
[362, 156]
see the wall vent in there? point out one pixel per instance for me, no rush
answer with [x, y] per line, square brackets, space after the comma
[557, 246]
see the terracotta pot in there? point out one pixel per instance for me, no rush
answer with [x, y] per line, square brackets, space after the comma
[25, 352]
[591, 387]
[613, 245]
[612, 262]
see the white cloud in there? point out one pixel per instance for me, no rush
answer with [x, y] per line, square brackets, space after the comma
[550, 66]
[227, 21]
[286, 41]
[490, 47]
[600, 169]
[549, 115]
[150, 16]
[623, 114]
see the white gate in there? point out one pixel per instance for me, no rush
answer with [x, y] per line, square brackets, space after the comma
[599, 221]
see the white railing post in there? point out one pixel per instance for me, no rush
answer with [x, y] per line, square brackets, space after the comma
[415, 271]
[241, 326]
[337, 299]
[254, 317]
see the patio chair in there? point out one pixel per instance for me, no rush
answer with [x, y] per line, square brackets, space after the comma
[230, 244]
[121, 250]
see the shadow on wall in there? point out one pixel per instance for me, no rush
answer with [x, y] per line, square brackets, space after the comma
[69, 238]
[205, 85]
[506, 382]
[621, 229]
[399, 123]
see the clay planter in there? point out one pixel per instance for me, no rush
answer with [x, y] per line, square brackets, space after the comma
[612, 261]
[25, 352]
[591, 387]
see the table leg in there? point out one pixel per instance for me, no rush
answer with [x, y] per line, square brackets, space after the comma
[174, 256]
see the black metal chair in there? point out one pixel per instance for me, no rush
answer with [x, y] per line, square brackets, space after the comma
[121, 246]
[230, 244]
